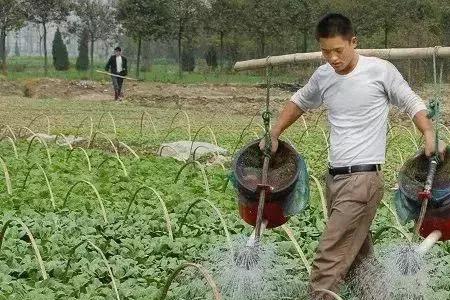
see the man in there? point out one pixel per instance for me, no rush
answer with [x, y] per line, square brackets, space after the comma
[356, 91]
[117, 65]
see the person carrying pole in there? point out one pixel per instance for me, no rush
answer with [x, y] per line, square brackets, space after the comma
[117, 65]
[357, 91]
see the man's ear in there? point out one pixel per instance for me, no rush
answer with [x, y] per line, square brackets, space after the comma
[354, 42]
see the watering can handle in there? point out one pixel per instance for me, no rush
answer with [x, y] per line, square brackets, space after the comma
[264, 191]
[426, 193]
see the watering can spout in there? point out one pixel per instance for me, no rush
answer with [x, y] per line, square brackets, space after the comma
[252, 241]
[429, 242]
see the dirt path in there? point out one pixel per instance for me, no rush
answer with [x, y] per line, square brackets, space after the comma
[231, 99]
[205, 97]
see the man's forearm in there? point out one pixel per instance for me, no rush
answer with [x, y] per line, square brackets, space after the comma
[291, 112]
[426, 127]
[424, 124]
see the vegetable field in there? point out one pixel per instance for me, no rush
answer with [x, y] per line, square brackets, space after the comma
[107, 218]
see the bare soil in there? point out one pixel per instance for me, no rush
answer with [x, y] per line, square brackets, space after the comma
[230, 99]
[205, 97]
[41, 88]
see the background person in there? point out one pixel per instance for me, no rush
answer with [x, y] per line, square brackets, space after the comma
[117, 65]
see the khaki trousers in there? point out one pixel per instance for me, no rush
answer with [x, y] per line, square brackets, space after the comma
[352, 201]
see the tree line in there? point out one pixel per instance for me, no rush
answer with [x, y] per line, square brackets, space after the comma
[223, 31]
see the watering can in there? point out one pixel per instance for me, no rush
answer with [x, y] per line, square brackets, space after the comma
[285, 181]
[419, 180]
[423, 195]
[437, 219]
[437, 215]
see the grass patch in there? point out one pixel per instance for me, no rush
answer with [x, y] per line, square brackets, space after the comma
[26, 67]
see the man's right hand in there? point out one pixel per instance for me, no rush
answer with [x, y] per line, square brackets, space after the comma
[274, 147]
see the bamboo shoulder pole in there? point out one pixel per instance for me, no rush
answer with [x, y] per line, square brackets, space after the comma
[115, 75]
[394, 53]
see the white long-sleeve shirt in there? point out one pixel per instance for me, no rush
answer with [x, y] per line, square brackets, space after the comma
[358, 106]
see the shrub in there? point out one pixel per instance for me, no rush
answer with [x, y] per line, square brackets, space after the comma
[82, 63]
[59, 52]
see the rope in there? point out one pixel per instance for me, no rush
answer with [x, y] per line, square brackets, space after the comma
[435, 104]
[434, 111]
[434, 65]
[266, 115]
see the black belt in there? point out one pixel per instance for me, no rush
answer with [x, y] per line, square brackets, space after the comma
[354, 169]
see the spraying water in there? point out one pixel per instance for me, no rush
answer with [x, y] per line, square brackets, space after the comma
[397, 272]
[266, 279]
[382, 278]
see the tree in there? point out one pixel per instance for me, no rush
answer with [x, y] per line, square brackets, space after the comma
[16, 45]
[144, 20]
[264, 19]
[301, 17]
[38, 29]
[186, 16]
[445, 25]
[82, 63]
[59, 52]
[146, 55]
[98, 18]
[211, 57]
[224, 19]
[43, 12]
[12, 17]
[411, 29]
[188, 59]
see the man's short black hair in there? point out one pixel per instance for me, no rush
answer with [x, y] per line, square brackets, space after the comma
[334, 24]
[118, 49]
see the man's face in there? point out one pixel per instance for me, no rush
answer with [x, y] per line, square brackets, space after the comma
[338, 51]
[117, 52]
